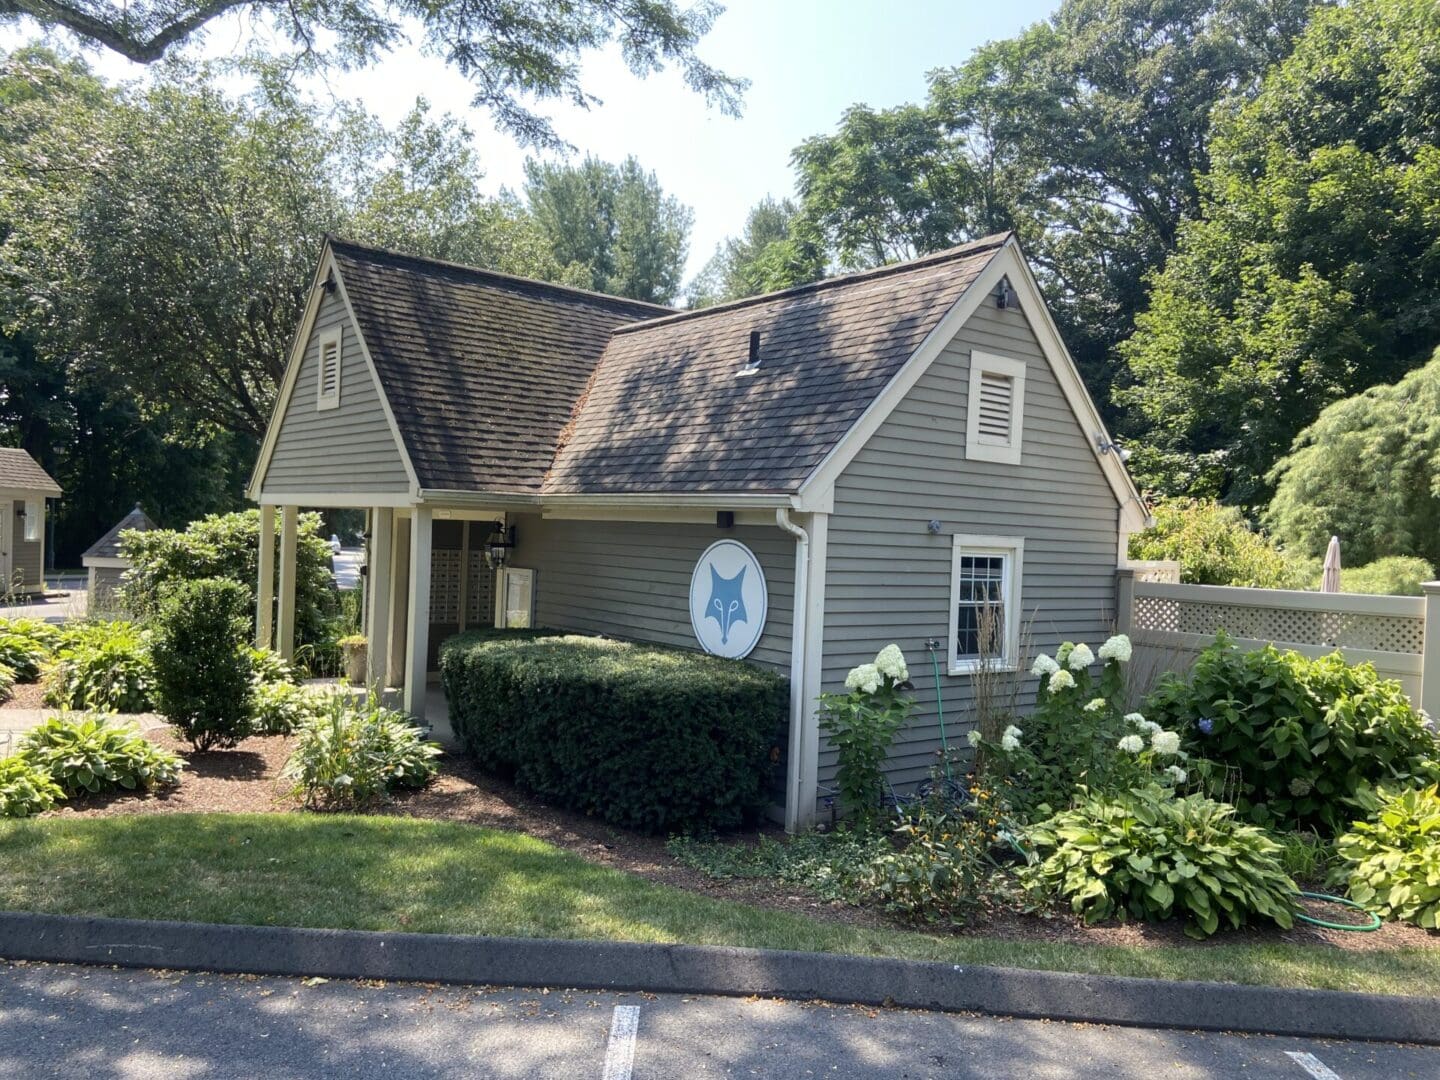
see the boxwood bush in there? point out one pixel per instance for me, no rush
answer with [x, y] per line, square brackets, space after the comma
[1304, 735]
[645, 737]
[203, 674]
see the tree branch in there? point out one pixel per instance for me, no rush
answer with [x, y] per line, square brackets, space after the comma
[127, 44]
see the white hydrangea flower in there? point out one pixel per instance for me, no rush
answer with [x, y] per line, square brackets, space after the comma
[1132, 744]
[1165, 742]
[1177, 774]
[865, 678]
[1080, 657]
[1011, 739]
[1138, 719]
[1095, 704]
[1117, 648]
[973, 738]
[891, 661]
[1061, 680]
[1044, 666]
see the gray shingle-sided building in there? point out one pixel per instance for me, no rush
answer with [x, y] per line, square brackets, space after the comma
[104, 563]
[24, 487]
[905, 454]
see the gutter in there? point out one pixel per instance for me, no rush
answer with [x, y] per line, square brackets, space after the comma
[798, 636]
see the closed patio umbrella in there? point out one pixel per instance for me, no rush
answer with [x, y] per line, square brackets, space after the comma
[1330, 575]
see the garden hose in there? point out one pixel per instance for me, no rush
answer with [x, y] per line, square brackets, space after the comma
[1374, 919]
[940, 708]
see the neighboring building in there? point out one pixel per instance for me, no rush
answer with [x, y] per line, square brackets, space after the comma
[106, 564]
[904, 454]
[24, 487]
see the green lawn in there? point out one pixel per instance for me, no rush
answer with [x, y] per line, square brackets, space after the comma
[381, 873]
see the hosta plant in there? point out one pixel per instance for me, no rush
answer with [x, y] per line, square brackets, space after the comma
[7, 681]
[25, 788]
[1392, 860]
[356, 751]
[101, 667]
[1153, 855]
[281, 707]
[94, 754]
[25, 645]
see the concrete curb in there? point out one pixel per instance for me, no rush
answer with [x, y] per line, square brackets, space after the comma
[696, 969]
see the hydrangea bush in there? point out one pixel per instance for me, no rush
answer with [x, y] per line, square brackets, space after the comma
[861, 726]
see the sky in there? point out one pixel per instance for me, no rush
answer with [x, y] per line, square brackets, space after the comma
[808, 60]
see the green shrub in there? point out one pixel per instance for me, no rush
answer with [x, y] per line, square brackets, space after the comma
[829, 864]
[281, 708]
[7, 681]
[1393, 859]
[355, 751]
[1394, 575]
[268, 666]
[94, 754]
[642, 736]
[227, 546]
[25, 645]
[202, 663]
[25, 788]
[1214, 545]
[1154, 855]
[861, 725]
[939, 869]
[1306, 856]
[1304, 736]
[101, 667]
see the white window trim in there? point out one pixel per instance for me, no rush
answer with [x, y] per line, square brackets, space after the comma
[325, 401]
[978, 447]
[34, 530]
[1013, 547]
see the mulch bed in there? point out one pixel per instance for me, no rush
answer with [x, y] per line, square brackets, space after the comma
[246, 779]
[25, 696]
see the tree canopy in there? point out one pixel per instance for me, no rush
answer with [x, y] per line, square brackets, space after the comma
[512, 53]
[775, 251]
[1311, 269]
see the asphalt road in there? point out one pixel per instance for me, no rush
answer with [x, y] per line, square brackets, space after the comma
[113, 1024]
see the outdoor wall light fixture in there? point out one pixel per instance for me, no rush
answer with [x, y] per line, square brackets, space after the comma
[1005, 298]
[499, 545]
[1106, 446]
[329, 283]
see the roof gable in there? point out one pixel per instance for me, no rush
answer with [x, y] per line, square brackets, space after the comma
[108, 546]
[671, 408]
[21, 472]
[481, 370]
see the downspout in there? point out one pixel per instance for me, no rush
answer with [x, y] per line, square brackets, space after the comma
[798, 636]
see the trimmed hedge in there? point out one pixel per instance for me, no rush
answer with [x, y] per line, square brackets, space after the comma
[645, 737]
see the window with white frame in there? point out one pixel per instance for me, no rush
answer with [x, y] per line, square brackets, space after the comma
[996, 413]
[34, 519]
[327, 386]
[985, 602]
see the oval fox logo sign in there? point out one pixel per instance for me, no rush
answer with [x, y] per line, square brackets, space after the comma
[728, 600]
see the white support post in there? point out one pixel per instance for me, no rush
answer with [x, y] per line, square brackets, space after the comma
[417, 626]
[1430, 657]
[289, 529]
[1124, 600]
[265, 587]
[377, 590]
[814, 665]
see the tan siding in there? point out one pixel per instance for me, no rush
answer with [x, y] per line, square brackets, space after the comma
[632, 580]
[25, 570]
[346, 449]
[888, 579]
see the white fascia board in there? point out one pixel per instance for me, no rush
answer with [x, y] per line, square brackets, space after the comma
[333, 500]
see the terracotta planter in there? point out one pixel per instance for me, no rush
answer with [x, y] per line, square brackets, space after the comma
[355, 657]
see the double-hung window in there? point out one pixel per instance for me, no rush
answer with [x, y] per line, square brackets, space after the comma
[985, 577]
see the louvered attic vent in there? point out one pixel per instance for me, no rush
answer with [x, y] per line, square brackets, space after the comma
[327, 387]
[997, 407]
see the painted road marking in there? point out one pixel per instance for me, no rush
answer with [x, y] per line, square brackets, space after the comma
[620, 1055]
[1312, 1065]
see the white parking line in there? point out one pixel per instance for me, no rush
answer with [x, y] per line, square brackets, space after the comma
[1312, 1065]
[620, 1055]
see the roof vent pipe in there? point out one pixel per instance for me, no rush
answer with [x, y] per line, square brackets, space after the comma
[754, 361]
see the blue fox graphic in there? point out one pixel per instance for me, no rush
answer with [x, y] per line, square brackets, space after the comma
[727, 602]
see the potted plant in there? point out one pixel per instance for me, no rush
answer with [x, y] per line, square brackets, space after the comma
[352, 648]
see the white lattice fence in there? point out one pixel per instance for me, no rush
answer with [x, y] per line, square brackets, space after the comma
[1171, 624]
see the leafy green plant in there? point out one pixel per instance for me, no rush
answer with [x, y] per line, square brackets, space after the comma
[26, 788]
[202, 663]
[1214, 545]
[1154, 855]
[861, 725]
[25, 645]
[1392, 860]
[1306, 856]
[7, 681]
[281, 708]
[355, 751]
[93, 754]
[268, 666]
[642, 736]
[227, 546]
[1394, 575]
[1305, 736]
[101, 667]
